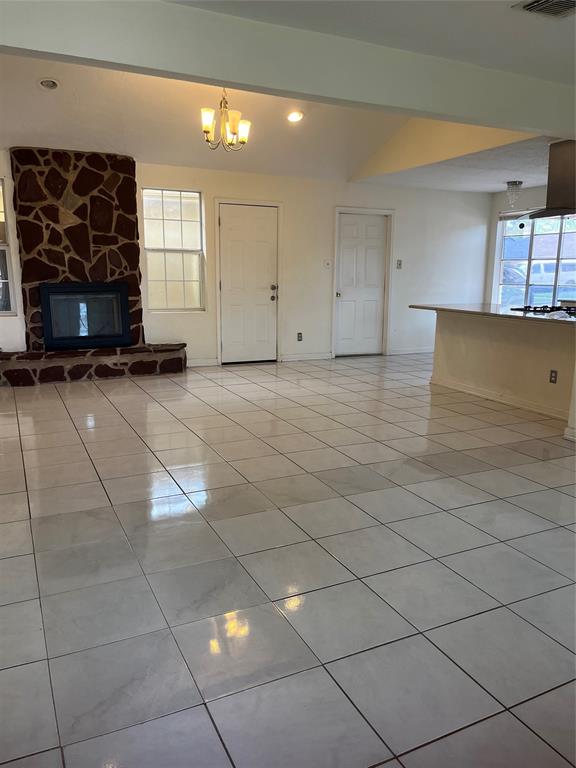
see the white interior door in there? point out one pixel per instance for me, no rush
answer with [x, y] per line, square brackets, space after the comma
[360, 274]
[248, 282]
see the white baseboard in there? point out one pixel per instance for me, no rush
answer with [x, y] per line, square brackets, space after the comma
[409, 351]
[305, 356]
[197, 362]
[570, 434]
[529, 405]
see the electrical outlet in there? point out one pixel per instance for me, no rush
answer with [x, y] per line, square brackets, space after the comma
[299, 336]
[553, 377]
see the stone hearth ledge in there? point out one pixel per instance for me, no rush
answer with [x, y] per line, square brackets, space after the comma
[22, 369]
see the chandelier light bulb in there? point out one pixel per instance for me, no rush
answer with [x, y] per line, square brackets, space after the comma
[234, 131]
[295, 117]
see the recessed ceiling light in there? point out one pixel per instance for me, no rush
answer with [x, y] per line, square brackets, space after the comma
[49, 83]
[295, 117]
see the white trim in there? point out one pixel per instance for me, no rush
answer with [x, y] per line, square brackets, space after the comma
[570, 434]
[498, 397]
[5, 245]
[389, 213]
[197, 362]
[218, 201]
[305, 356]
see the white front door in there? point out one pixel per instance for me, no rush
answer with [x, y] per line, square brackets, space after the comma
[248, 281]
[360, 270]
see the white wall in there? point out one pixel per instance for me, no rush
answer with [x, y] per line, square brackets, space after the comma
[441, 238]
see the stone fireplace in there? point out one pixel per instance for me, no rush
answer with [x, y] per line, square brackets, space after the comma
[76, 217]
[76, 221]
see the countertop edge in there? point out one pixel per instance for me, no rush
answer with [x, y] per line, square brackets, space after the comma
[497, 315]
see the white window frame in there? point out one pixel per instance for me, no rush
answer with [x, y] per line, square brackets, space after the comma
[199, 252]
[498, 258]
[5, 246]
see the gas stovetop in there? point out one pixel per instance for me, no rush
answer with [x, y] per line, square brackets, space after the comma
[545, 309]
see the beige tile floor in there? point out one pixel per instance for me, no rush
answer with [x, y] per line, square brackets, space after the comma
[305, 565]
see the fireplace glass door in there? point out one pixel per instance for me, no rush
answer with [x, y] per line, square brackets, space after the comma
[78, 315]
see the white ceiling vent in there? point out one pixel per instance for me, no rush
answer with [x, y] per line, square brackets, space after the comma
[557, 8]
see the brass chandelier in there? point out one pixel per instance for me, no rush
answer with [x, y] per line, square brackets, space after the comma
[234, 131]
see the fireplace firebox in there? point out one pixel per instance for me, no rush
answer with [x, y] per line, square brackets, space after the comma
[85, 315]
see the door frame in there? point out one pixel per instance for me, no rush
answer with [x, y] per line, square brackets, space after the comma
[218, 201]
[389, 214]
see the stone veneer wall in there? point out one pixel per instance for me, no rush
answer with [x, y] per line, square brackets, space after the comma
[76, 220]
[22, 369]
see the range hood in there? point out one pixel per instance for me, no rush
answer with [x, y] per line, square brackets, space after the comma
[561, 189]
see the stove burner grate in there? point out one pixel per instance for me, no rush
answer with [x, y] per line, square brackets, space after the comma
[545, 309]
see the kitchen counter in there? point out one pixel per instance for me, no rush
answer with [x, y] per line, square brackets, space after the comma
[493, 310]
[489, 351]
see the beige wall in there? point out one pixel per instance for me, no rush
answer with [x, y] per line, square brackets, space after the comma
[440, 237]
[508, 360]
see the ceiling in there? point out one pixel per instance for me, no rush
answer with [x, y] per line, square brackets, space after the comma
[486, 171]
[489, 33]
[157, 120]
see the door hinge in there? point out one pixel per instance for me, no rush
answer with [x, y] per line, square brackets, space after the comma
[219, 221]
[220, 284]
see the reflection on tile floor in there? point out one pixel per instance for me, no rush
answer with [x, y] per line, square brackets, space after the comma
[308, 565]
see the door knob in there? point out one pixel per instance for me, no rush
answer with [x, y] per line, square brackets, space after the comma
[273, 287]
[338, 294]
[272, 298]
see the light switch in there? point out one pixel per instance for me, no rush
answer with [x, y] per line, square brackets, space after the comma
[398, 263]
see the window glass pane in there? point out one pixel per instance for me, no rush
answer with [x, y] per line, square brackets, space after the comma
[155, 260]
[517, 227]
[171, 205]
[3, 265]
[191, 235]
[175, 295]
[540, 294]
[192, 266]
[567, 272]
[545, 247]
[5, 305]
[153, 233]
[547, 226]
[175, 277]
[172, 234]
[516, 248]
[568, 248]
[566, 293]
[514, 272]
[156, 294]
[511, 296]
[152, 204]
[174, 266]
[192, 295]
[569, 224]
[543, 272]
[3, 237]
[191, 206]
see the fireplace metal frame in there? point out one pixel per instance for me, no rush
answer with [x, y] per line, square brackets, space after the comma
[85, 342]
